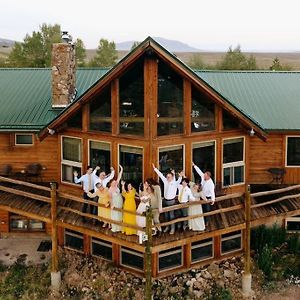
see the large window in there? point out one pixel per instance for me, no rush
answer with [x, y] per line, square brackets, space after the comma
[131, 87]
[293, 151]
[100, 155]
[170, 101]
[233, 161]
[171, 158]
[23, 139]
[131, 158]
[293, 224]
[100, 111]
[203, 112]
[71, 158]
[204, 158]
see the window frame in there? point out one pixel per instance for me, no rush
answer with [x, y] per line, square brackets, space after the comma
[104, 243]
[201, 246]
[143, 155]
[231, 237]
[70, 162]
[99, 141]
[24, 145]
[292, 219]
[170, 252]
[183, 156]
[132, 252]
[66, 231]
[241, 163]
[286, 151]
[203, 142]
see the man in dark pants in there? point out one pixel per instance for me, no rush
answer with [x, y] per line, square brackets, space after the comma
[88, 186]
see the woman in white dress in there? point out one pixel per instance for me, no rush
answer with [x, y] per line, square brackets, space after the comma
[196, 224]
[145, 202]
[116, 201]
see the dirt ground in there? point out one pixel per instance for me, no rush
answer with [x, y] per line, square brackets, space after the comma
[288, 293]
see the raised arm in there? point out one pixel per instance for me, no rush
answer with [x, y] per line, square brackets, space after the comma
[76, 179]
[95, 170]
[111, 175]
[200, 173]
[160, 174]
[180, 176]
[120, 174]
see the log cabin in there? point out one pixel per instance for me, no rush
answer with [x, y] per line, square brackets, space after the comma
[243, 126]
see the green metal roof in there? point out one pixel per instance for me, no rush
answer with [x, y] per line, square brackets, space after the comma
[25, 96]
[270, 99]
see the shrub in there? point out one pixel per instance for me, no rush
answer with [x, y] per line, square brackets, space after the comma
[294, 243]
[265, 261]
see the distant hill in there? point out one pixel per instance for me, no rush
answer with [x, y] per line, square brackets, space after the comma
[171, 45]
[5, 43]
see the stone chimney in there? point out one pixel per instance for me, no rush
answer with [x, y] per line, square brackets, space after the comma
[63, 74]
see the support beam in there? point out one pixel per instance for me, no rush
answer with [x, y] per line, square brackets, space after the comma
[148, 251]
[55, 274]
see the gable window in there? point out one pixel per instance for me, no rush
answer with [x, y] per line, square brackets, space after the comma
[76, 120]
[71, 158]
[100, 155]
[229, 122]
[170, 101]
[203, 112]
[22, 139]
[100, 111]
[131, 87]
[293, 151]
[233, 161]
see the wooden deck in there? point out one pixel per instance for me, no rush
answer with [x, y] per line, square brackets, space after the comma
[23, 200]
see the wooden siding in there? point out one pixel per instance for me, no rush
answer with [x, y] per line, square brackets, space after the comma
[4, 221]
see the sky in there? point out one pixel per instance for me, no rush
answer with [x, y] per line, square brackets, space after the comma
[257, 25]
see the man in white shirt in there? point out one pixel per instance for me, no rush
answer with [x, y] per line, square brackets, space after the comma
[170, 192]
[208, 188]
[103, 178]
[88, 186]
[185, 195]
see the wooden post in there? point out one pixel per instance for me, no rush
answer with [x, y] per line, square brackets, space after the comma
[246, 279]
[55, 274]
[148, 250]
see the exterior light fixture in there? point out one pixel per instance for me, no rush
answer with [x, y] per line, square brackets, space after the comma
[66, 37]
[252, 132]
[51, 131]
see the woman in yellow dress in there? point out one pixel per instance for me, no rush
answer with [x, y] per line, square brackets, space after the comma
[103, 198]
[128, 192]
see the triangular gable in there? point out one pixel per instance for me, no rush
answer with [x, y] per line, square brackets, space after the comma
[170, 59]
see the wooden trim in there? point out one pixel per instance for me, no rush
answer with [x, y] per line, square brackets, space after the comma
[154, 264]
[187, 106]
[86, 244]
[217, 246]
[35, 186]
[85, 117]
[293, 187]
[219, 118]
[116, 254]
[115, 114]
[187, 255]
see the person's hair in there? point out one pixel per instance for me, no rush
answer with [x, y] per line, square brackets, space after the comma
[126, 185]
[186, 180]
[89, 167]
[109, 183]
[151, 181]
[208, 173]
[99, 184]
[169, 172]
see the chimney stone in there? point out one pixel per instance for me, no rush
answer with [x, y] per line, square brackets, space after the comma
[63, 74]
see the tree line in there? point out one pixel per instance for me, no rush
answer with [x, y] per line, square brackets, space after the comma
[35, 52]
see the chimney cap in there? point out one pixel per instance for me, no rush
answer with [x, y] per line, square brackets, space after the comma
[66, 37]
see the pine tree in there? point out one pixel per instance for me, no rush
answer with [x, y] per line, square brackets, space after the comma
[106, 54]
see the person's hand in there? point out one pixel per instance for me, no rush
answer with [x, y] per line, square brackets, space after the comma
[193, 164]
[75, 173]
[160, 210]
[153, 165]
[181, 174]
[173, 172]
[121, 168]
[112, 169]
[97, 168]
[123, 182]
[90, 195]
[212, 202]
[107, 205]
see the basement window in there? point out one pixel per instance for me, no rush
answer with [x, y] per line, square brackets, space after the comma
[22, 139]
[102, 248]
[170, 259]
[73, 240]
[20, 223]
[132, 259]
[202, 250]
[231, 242]
[292, 224]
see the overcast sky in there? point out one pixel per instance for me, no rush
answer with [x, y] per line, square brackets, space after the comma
[263, 25]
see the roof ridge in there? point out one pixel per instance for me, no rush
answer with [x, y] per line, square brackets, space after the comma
[246, 71]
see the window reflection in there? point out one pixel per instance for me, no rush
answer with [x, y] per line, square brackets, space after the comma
[100, 111]
[170, 101]
[203, 112]
[131, 87]
[100, 155]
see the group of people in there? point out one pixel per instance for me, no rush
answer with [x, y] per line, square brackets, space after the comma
[119, 205]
